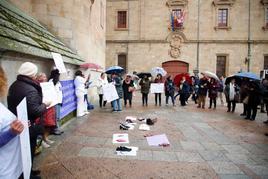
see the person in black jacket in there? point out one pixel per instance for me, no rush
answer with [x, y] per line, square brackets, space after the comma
[26, 86]
[253, 100]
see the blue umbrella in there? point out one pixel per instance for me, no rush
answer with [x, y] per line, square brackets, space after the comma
[249, 75]
[114, 69]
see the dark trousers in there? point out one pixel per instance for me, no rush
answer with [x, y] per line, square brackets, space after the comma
[183, 99]
[157, 95]
[130, 101]
[252, 108]
[172, 99]
[145, 99]
[245, 109]
[212, 100]
[100, 101]
[229, 104]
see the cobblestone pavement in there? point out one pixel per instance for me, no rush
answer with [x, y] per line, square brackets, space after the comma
[204, 144]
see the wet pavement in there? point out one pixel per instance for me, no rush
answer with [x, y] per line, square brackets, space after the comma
[205, 143]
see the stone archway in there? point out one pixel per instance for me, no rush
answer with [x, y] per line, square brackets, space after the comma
[175, 67]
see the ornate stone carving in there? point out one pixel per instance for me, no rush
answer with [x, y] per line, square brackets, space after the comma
[223, 2]
[175, 45]
[175, 3]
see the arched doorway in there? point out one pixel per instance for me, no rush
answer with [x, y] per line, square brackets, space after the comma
[175, 67]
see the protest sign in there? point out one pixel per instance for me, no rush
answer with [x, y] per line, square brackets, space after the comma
[49, 93]
[59, 62]
[25, 139]
[157, 88]
[68, 98]
[109, 92]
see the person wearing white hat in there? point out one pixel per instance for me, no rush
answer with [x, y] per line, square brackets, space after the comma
[27, 86]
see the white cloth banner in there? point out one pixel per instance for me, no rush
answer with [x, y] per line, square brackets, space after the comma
[59, 62]
[49, 93]
[25, 139]
[157, 88]
[109, 92]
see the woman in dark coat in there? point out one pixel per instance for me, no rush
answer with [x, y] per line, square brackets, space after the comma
[169, 90]
[128, 88]
[184, 91]
[145, 88]
[26, 86]
[212, 92]
[254, 92]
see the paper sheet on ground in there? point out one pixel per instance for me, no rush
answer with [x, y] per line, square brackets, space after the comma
[131, 126]
[59, 62]
[157, 140]
[133, 151]
[109, 92]
[120, 138]
[24, 139]
[132, 118]
[157, 88]
[144, 127]
[49, 93]
[7, 119]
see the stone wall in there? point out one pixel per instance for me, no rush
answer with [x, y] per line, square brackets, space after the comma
[146, 45]
[76, 22]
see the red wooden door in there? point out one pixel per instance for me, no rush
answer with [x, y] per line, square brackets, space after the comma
[175, 67]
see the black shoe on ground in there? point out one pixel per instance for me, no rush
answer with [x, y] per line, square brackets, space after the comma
[265, 122]
[247, 118]
[266, 134]
[123, 149]
[252, 119]
[35, 172]
[242, 114]
[35, 177]
[262, 111]
[121, 127]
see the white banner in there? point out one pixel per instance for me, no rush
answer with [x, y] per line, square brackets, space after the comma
[49, 93]
[59, 62]
[25, 139]
[157, 88]
[109, 92]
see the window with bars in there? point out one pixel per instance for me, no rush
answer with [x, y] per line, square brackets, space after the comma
[122, 19]
[221, 66]
[266, 17]
[222, 17]
[265, 64]
[122, 61]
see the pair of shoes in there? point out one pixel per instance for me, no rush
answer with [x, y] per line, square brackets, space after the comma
[262, 111]
[198, 106]
[45, 145]
[35, 172]
[123, 149]
[119, 110]
[209, 108]
[242, 114]
[247, 118]
[228, 110]
[123, 127]
[266, 134]
[252, 119]
[129, 121]
[265, 122]
[114, 111]
[203, 107]
[35, 177]
[57, 132]
[50, 141]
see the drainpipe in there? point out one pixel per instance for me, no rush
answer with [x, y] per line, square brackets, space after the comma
[249, 36]
[198, 34]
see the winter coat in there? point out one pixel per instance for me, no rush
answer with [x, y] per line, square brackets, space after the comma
[169, 88]
[185, 88]
[254, 94]
[203, 87]
[145, 85]
[243, 91]
[118, 85]
[213, 90]
[26, 87]
[100, 83]
[126, 89]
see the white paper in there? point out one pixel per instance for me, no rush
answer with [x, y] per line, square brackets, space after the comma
[120, 138]
[133, 151]
[109, 92]
[144, 127]
[49, 93]
[7, 119]
[130, 125]
[157, 140]
[59, 62]
[25, 139]
[157, 88]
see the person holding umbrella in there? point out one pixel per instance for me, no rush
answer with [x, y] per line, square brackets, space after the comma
[158, 79]
[145, 89]
[128, 88]
[116, 80]
[253, 100]
[230, 92]
[202, 92]
[212, 92]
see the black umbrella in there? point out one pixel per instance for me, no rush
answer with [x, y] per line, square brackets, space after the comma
[142, 74]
